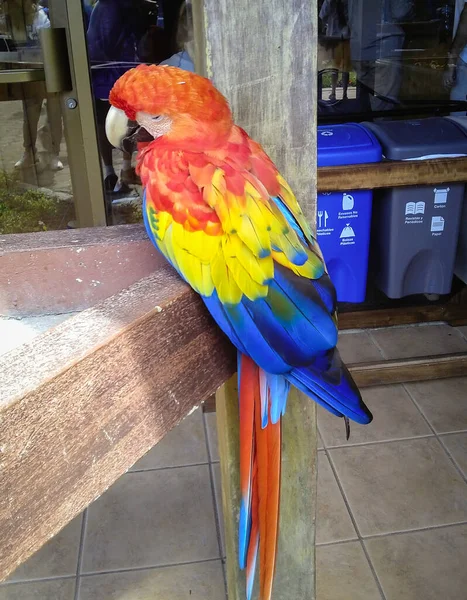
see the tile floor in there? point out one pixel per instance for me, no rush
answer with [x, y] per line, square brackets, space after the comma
[392, 502]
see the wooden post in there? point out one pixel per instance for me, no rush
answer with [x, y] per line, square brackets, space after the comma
[262, 56]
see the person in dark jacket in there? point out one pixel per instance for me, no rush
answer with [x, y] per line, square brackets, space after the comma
[112, 42]
[87, 12]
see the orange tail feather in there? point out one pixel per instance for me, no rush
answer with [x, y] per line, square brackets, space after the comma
[268, 452]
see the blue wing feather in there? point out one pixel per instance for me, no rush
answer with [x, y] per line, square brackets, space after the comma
[331, 385]
[291, 334]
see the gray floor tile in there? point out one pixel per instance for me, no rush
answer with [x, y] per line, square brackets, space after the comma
[357, 348]
[220, 512]
[397, 486]
[56, 589]
[343, 573]
[184, 445]
[200, 581]
[443, 402]
[333, 523]
[320, 441]
[394, 416]
[463, 330]
[59, 557]
[211, 426]
[424, 340]
[423, 565]
[152, 518]
[456, 443]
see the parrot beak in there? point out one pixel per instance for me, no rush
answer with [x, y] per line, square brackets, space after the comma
[123, 133]
[116, 126]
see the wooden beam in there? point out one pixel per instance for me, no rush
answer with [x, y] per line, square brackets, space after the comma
[64, 271]
[80, 404]
[454, 314]
[392, 174]
[412, 369]
[228, 414]
[277, 107]
[389, 372]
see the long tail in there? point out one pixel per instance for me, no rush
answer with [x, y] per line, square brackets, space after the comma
[262, 402]
[263, 398]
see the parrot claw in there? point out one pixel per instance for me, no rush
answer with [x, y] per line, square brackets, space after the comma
[347, 427]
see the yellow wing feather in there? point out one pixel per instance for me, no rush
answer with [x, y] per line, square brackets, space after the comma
[232, 247]
[241, 260]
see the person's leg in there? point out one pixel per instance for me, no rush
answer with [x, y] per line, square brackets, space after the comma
[346, 66]
[51, 133]
[459, 91]
[345, 83]
[334, 80]
[126, 161]
[31, 114]
[365, 84]
[388, 79]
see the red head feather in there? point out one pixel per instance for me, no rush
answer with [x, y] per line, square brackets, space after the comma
[196, 107]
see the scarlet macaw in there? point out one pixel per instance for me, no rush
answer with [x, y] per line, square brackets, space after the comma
[223, 216]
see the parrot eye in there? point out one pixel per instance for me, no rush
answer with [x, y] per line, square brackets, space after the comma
[157, 118]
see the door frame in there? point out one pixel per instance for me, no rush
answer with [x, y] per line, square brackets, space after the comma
[79, 118]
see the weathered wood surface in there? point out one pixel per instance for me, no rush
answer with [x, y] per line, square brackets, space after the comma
[262, 56]
[71, 270]
[387, 372]
[424, 368]
[392, 174]
[226, 402]
[451, 312]
[298, 456]
[66, 271]
[83, 402]
[276, 104]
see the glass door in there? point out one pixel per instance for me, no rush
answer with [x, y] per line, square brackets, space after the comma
[120, 35]
[58, 62]
[50, 176]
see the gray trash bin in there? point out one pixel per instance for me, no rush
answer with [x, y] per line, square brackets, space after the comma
[415, 229]
[460, 267]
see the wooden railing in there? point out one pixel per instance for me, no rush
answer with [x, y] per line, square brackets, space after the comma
[81, 403]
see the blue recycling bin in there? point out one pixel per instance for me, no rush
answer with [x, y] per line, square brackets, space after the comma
[344, 218]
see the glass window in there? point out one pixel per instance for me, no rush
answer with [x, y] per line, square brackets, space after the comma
[35, 184]
[120, 35]
[391, 57]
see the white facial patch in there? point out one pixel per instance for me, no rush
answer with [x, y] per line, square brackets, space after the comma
[156, 125]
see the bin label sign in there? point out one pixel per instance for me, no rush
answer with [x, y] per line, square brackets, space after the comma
[441, 196]
[412, 208]
[322, 218]
[414, 212]
[348, 202]
[347, 236]
[437, 225]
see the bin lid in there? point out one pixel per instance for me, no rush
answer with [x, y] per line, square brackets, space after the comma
[459, 120]
[420, 138]
[346, 144]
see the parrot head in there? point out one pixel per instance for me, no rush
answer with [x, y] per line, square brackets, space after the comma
[159, 102]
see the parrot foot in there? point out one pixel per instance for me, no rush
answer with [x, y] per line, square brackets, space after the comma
[347, 427]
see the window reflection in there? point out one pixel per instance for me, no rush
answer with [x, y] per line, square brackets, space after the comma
[391, 57]
[120, 35]
[35, 183]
